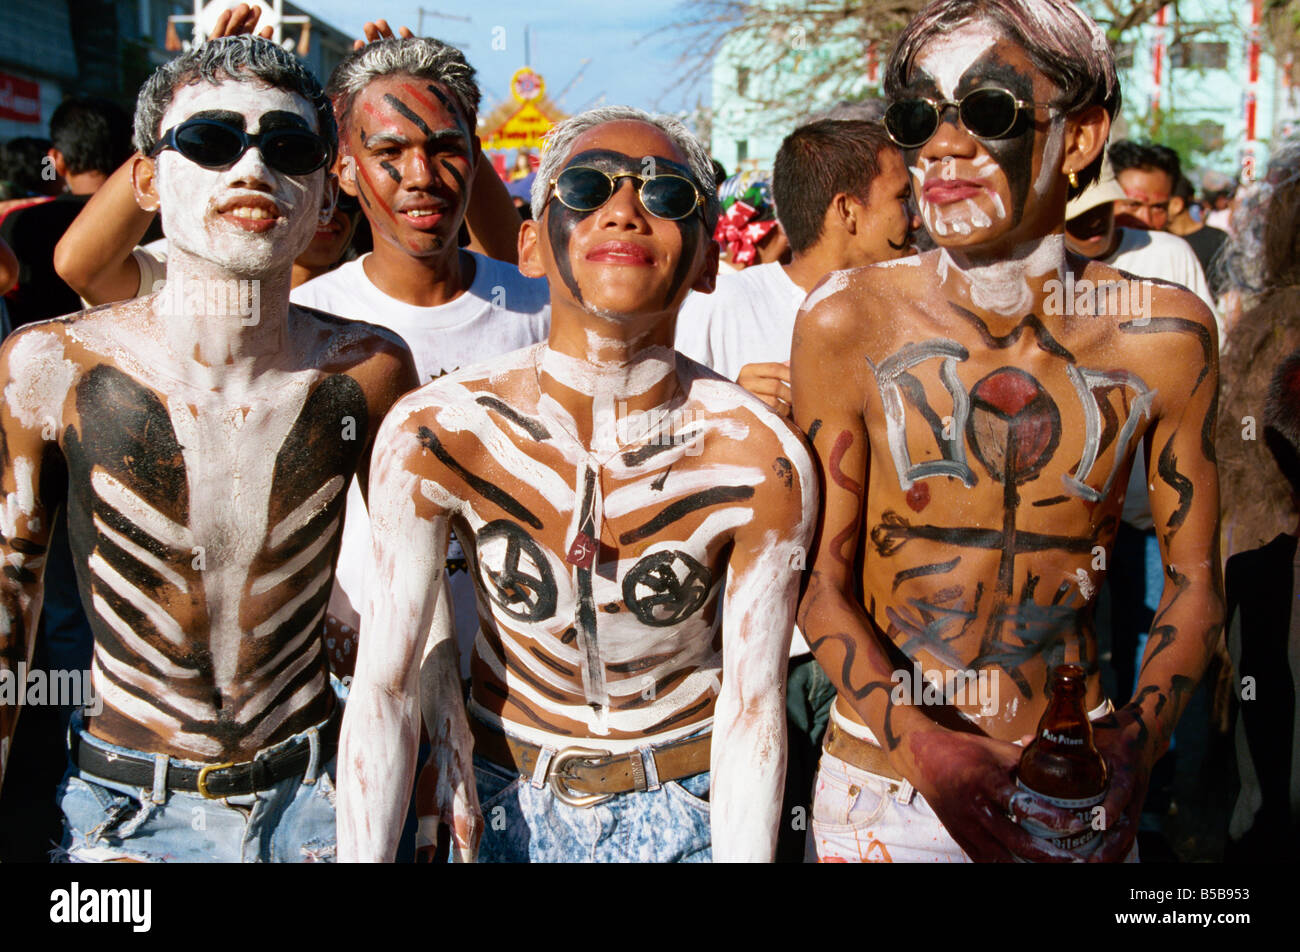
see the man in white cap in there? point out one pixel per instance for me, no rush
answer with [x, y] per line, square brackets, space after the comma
[1090, 230]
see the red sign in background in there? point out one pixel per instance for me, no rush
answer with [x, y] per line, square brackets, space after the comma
[20, 99]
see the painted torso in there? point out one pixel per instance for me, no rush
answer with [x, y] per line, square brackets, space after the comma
[204, 525]
[999, 458]
[619, 640]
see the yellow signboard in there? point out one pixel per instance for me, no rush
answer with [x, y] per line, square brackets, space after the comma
[523, 130]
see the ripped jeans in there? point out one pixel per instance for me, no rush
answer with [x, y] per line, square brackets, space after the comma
[290, 822]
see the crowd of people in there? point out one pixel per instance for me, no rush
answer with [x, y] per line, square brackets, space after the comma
[393, 521]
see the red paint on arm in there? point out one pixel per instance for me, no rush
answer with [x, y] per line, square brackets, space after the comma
[842, 444]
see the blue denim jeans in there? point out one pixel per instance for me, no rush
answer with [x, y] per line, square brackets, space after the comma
[291, 822]
[524, 822]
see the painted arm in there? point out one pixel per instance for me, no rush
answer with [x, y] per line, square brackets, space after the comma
[493, 220]
[967, 779]
[748, 753]
[29, 426]
[1188, 623]
[381, 724]
[94, 254]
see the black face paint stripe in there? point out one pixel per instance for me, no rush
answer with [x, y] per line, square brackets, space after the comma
[498, 497]
[684, 507]
[406, 112]
[461, 121]
[560, 222]
[393, 174]
[455, 173]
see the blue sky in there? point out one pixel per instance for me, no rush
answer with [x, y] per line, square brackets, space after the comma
[626, 66]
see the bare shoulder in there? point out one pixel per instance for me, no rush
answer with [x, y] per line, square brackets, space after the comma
[759, 435]
[39, 365]
[338, 340]
[453, 403]
[836, 311]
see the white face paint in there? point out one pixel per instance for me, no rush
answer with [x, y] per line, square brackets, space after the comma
[200, 206]
[948, 57]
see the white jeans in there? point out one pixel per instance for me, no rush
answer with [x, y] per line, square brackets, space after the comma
[862, 818]
[859, 817]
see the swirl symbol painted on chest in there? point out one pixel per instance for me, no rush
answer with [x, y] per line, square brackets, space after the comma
[515, 572]
[666, 588]
[1014, 425]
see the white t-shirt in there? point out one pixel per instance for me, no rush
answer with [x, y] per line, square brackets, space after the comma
[500, 312]
[1156, 254]
[748, 319]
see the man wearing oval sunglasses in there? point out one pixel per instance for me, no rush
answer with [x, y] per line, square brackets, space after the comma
[201, 439]
[975, 424]
[626, 704]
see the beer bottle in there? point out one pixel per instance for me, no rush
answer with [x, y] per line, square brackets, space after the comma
[1062, 766]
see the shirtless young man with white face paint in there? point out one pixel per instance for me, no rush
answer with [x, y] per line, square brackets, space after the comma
[603, 486]
[200, 439]
[975, 442]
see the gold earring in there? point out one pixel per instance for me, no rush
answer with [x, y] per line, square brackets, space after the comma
[1074, 180]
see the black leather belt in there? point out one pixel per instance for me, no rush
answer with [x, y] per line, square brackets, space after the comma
[212, 781]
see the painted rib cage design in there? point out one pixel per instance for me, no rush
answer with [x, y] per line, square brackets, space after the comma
[1060, 439]
[205, 542]
[598, 587]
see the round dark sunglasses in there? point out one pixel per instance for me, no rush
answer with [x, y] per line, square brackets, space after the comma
[585, 189]
[216, 145]
[988, 113]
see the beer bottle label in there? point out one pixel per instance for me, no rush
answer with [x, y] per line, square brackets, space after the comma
[1081, 843]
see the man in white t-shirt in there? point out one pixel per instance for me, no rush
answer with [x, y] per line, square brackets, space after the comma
[1136, 577]
[841, 193]
[407, 112]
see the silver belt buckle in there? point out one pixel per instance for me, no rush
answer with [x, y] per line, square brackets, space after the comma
[556, 780]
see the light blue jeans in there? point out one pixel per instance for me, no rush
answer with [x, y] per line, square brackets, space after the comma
[524, 822]
[291, 822]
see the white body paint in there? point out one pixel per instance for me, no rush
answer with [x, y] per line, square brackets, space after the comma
[1004, 286]
[232, 391]
[604, 695]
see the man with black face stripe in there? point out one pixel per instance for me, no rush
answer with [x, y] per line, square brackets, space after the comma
[975, 412]
[407, 111]
[613, 497]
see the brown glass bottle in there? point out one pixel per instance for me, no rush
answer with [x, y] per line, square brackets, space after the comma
[1062, 765]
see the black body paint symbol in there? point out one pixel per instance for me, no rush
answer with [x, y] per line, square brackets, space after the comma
[515, 571]
[784, 471]
[666, 588]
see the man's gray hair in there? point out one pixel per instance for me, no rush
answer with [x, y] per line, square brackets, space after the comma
[243, 59]
[559, 142]
[420, 56]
